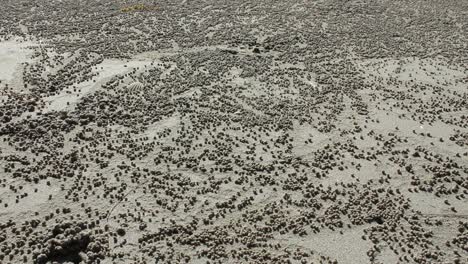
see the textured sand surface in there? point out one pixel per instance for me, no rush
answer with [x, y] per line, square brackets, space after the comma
[233, 131]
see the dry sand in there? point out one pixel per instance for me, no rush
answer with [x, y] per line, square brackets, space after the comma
[234, 132]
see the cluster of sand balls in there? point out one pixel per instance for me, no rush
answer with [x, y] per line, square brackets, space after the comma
[70, 240]
[34, 242]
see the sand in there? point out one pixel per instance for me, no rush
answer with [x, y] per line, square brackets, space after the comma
[234, 132]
